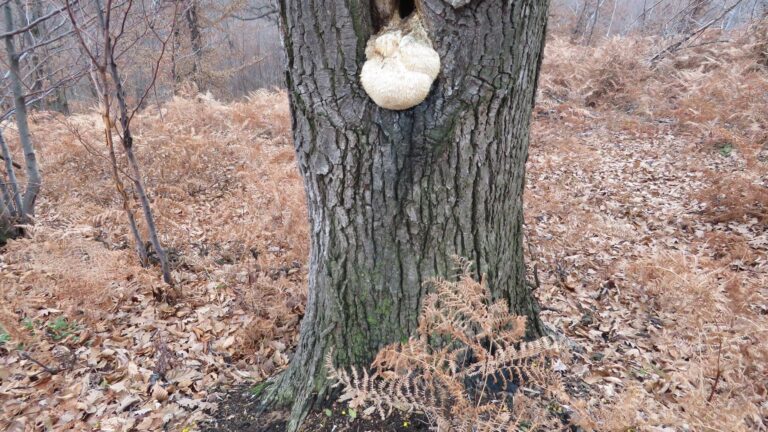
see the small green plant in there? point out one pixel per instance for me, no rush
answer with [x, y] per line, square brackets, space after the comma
[725, 149]
[28, 325]
[258, 388]
[4, 336]
[60, 328]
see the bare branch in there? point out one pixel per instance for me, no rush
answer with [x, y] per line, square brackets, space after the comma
[34, 23]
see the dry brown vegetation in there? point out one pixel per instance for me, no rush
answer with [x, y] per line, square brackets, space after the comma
[646, 211]
[646, 206]
[461, 370]
[230, 205]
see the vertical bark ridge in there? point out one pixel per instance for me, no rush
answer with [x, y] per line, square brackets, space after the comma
[394, 196]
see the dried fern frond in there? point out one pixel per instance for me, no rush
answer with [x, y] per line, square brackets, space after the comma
[408, 391]
[462, 369]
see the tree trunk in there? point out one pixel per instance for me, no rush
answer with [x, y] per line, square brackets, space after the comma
[141, 248]
[14, 199]
[10, 199]
[196, 42]
[127, 144]
[20, 105]
[581, 27]
[595, 17]
[394, 197]
[138, 182]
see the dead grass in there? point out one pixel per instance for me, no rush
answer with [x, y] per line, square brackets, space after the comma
[735, 199]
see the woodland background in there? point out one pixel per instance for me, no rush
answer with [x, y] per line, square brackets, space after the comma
[646, 211]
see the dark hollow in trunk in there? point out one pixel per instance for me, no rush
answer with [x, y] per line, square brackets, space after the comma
[393, 197]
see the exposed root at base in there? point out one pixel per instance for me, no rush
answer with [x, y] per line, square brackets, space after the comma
[288, 391]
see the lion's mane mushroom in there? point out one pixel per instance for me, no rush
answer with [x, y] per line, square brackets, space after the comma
[401, 65]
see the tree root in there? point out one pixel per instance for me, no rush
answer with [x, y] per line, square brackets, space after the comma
[297, 388]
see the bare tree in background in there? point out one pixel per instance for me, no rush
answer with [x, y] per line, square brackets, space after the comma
[192, 19]
[577, 31]
[29, 80]
[684, 38]
[613, 16]
[43, 59]
[593, 21]
[27, 204]
[699, 9]
[209, 23]
[106, 32]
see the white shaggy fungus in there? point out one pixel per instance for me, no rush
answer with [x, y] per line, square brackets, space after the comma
[401, 65]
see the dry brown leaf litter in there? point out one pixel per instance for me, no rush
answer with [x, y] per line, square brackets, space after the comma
[230, 208]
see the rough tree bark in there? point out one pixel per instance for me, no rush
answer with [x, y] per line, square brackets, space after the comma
[393, 197]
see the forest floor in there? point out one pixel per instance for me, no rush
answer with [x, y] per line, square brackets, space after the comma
[647, 224]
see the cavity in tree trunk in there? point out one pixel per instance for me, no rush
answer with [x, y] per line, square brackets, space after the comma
[394, 196]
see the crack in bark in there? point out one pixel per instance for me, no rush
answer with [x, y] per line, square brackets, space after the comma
[393, 196]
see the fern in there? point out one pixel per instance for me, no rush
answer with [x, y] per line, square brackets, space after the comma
[461, 370]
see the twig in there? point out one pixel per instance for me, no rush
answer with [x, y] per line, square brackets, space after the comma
[15, 165]
[719, 371]
[13, 32]
[26, 356]
[676, 46]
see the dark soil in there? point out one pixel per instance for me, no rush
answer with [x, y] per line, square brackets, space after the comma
[238, 410]
[337, 419]
[237, 413]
